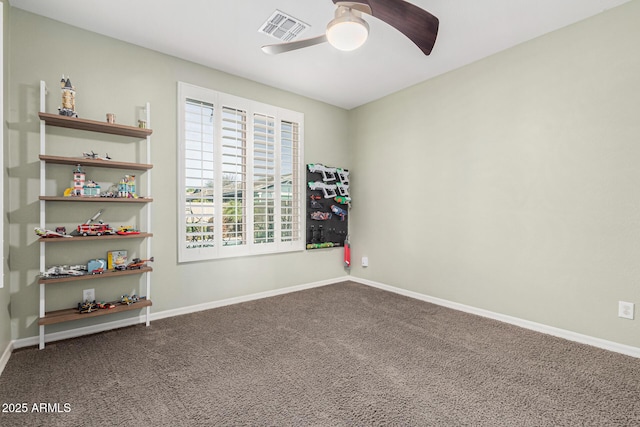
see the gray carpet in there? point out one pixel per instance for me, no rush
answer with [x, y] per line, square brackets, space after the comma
[339, 355]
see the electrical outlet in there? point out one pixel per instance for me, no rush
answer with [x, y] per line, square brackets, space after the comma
[626, 309]
[89, 295]
[365, 261]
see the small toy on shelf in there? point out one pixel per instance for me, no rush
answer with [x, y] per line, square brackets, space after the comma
[112, 192]
[128, 300]
[123, 230]
[79, 178]
[127, 187]
[57, 271]
[97, 266]
[48, 233]
[94, 156]
[117, 260]
[87, 306]
[81, 185]
[91, 188]
[89, 228]
[105, 305]
[138, 263]
[68, 98]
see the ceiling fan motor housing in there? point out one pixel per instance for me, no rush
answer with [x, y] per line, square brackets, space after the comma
[347, 31]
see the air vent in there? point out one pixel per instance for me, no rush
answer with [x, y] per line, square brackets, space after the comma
[283, 27]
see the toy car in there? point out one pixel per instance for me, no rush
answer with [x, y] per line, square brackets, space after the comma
[106, 305]
[91, 228]
[95, 229]
[138, 263]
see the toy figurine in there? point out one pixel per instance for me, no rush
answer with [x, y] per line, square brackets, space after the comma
[68, 98]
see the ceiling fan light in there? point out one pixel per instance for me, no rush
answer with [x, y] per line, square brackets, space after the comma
[347, 31]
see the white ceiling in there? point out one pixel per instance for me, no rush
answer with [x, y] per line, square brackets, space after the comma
[223, 34]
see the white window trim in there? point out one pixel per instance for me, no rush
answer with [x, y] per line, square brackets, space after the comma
[219, 99]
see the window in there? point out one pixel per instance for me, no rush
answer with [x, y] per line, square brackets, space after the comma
[241, 176]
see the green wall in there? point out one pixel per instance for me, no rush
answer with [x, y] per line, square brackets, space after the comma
[511, 184]
[113, 76]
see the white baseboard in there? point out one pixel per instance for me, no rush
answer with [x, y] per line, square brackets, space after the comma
[244, 298]
[5, 356]
[527, 324]
[550, 330]
[78, 332]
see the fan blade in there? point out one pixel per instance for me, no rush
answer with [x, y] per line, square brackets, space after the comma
[274, 49]
[417, 24]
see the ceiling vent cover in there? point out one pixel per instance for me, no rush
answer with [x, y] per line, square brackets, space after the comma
[283, 27]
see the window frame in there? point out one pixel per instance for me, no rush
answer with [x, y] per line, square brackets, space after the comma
[219, 101]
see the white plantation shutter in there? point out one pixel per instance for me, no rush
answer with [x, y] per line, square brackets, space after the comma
[198, 174]
[234, 175]
[290, 194]
[241, 176]
[264, 178]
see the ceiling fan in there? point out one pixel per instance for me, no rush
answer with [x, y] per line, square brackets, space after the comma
[348, 31]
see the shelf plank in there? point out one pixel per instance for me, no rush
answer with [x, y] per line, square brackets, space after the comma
[93, 125]
[96, 199]
[86, 238]
[105, 275]
[73, 161]
[70, 314]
